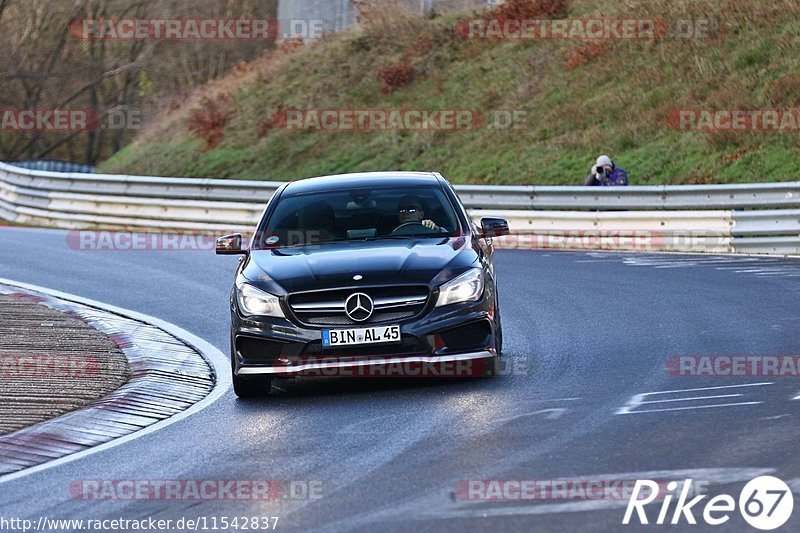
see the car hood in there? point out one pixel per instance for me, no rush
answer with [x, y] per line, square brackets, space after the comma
[424, 261]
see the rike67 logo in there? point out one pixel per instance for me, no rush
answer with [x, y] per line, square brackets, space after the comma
[765, 503]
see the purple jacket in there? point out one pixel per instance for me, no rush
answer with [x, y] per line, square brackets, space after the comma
[617, 177]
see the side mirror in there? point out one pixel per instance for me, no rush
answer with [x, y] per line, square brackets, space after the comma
[494, 227]
[230, 245]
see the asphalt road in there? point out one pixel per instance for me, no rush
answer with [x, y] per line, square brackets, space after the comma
[584, 334]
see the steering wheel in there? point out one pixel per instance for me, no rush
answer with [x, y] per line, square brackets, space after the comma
[409, 228]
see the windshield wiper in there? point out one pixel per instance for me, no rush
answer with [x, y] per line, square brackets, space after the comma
[382, 237]
[408, 236]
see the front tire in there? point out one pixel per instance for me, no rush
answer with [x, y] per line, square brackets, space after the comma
[498, 334]
[493, 365]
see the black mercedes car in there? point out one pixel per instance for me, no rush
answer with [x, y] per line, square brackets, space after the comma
[372, 274]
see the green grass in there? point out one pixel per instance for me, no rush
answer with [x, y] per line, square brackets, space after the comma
[617, 103]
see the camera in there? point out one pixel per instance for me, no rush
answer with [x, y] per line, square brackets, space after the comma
[601, 170]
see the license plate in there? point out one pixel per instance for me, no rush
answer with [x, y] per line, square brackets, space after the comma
[350, 337]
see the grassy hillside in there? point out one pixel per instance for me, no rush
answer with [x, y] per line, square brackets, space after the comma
[580, 99]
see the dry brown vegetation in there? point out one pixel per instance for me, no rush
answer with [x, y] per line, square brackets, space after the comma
[580, 98]
[49, 65]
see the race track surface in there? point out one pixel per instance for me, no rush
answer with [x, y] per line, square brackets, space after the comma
[585, 333]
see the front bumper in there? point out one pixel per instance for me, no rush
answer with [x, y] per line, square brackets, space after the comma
[457, 339]
[408, 366]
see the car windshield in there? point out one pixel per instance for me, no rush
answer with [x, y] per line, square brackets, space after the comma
[358, 214]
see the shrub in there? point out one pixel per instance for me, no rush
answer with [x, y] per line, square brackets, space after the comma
[208, 120]
[403, 72]
[395, 76]
[585, 53]
[277, 120]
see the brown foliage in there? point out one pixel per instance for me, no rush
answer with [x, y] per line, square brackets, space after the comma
[403, 72]
[395, 76]
[287, 46]
[277, 120]
[733, 157]
[701, 179]
[531, 9]
[586, 53]
[50, 64]
[209, 120]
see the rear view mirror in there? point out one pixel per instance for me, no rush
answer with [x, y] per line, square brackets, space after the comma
[494, 227]
[230, 245]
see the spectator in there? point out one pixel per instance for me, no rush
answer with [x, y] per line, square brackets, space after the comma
[605, 173]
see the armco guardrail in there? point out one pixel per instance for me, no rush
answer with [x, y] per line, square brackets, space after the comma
[667, 197]
[681, 197]
[54, 166]
[757, 218]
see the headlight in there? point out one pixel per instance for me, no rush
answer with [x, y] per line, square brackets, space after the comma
[468, 287]
[255, 302]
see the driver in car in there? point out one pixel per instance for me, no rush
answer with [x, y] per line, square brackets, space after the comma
[412, 209]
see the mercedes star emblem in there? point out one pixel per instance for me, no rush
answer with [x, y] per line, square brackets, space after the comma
[359, 307]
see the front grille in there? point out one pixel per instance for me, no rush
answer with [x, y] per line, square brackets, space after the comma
[327, 307]
[328, 319]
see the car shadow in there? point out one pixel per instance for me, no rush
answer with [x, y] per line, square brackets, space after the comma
[290, 391]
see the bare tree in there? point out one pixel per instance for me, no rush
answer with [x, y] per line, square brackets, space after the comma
[48, 67]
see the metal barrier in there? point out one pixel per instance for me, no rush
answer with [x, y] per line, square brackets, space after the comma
[671, 197]
[757, 218]
[54, 166]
